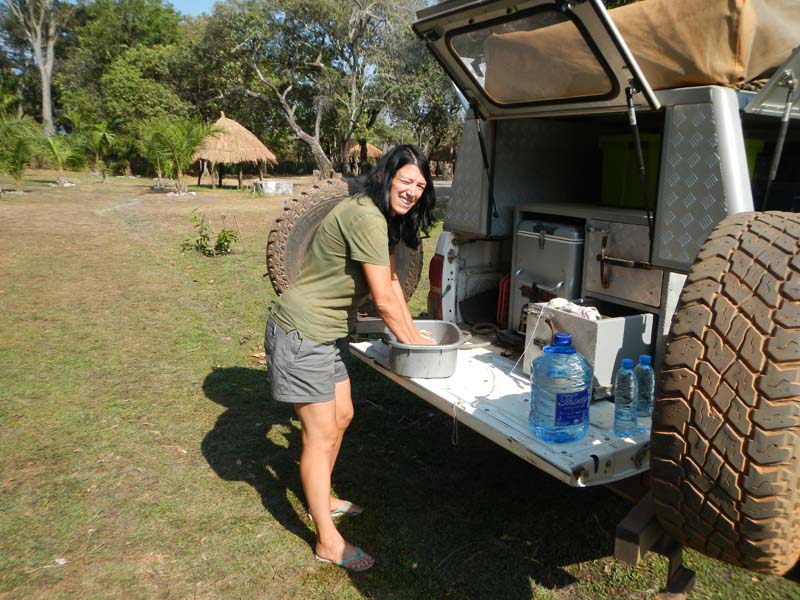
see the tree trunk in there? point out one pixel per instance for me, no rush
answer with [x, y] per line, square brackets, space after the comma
[323, 164]
[320, 158]
[363, 162]
[47, 102]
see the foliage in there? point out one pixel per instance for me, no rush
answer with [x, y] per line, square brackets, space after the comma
[175, 142]
[64, 152]
[226, 238]
[201, 241]
[41, 21]
[420, 98]
[99, 140]
[109, 31]
[146, 140]
[305, 77]
[319, 64]
[135, 87]
[21, 142]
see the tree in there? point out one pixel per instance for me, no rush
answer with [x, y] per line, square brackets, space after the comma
[135, 87]
[21, 143]
[314, 62]
[107, 37]
[41, 21]
[65, 152]
[99, 140]
[419, 95]
[147, 143]
[176, 141]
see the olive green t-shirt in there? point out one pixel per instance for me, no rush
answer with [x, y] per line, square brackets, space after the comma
[331, 283]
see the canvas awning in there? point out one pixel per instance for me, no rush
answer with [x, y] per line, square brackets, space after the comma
[676, 43]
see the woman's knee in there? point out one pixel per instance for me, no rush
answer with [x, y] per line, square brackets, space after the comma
[344, 416]
[321, 440]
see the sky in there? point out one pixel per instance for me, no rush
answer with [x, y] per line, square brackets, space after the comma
[193, 7]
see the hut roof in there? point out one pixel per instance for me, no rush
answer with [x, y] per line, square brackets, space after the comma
[353, 148]
[234, 144]
[442, 154]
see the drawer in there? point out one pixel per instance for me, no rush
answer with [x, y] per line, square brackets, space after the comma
[625, 241]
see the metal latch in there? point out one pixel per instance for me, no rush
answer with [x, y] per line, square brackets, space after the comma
[617, 262]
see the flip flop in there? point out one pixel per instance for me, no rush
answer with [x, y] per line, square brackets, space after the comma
[347, 562]
[343, 510]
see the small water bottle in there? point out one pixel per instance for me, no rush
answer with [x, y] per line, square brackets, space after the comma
[561, 383]
[646, 385]
[625, 399]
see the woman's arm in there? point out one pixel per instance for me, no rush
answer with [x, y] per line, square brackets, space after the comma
[398, 291]
[388, 297]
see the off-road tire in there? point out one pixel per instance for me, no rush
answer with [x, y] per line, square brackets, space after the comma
[291, 234]
[726, 422]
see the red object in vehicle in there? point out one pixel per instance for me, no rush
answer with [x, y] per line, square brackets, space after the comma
[435, 269]
[503, 300]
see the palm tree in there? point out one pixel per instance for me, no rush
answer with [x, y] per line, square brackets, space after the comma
[65, 152]
[147, 142]
[99, 140]
[21, 143]
[176, 142]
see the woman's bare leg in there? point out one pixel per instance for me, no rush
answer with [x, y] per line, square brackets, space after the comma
[320, 434]
[344, 415]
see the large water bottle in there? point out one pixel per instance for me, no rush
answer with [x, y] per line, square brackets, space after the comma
[646, 384]
[561, 382]
[625, 399]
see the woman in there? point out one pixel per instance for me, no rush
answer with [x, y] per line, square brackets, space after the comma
[351, 256]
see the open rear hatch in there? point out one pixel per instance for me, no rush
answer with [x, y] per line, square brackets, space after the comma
[535, 57]
[543, 57]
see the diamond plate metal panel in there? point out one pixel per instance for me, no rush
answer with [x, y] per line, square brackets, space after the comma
[692, 195]
[467, 207]
[537, 160]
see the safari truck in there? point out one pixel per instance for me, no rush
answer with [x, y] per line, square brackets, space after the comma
[641, 161]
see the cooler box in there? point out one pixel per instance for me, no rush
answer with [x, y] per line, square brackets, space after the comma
[603, 343]
[547, 263]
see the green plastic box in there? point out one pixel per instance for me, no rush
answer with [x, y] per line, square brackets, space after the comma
[621, 185]
[753, 148]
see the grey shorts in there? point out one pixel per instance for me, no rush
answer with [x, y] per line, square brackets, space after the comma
[303, 370]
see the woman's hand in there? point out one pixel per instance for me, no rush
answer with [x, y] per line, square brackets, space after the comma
[424, 338]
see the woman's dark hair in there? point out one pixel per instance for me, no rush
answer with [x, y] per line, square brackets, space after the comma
[379, 183]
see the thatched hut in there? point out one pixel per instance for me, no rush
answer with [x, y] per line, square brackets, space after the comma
[234, 144]
[353, 148]
[358, 153]
[441, 160]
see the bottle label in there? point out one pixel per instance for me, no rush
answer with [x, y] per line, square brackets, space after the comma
[572, 409]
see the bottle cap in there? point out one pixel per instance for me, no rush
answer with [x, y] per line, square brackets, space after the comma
[627, 363]
[645, 359]
[562, 339]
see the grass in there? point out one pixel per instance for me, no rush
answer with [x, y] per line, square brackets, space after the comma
[141, 456]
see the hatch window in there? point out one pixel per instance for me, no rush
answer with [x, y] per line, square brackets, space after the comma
[542, 55]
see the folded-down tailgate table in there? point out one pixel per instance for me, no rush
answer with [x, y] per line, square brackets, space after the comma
[483, 395]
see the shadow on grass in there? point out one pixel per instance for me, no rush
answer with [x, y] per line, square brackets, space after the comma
[462, 521]
[238, 448]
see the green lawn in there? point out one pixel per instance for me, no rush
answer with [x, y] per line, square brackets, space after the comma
[141, 456]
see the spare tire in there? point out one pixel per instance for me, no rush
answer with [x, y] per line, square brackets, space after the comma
[726, 422]
[291, 234]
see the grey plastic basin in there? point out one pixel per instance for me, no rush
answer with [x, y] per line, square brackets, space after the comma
[427, 362]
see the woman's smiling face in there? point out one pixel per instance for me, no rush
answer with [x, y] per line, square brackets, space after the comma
[408, 184]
